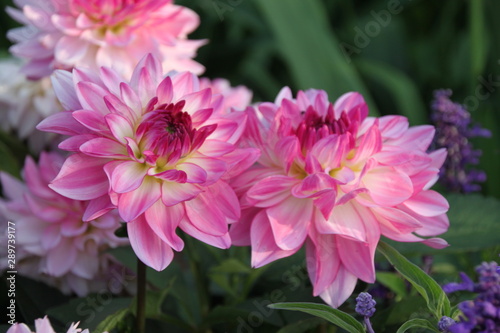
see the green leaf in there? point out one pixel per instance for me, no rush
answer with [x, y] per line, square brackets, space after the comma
[403, 90]
[112, 321]
[478, 37]
[311, 50]
[337, 317]
[435, 297]
[422, 323]
[393, 282]
[473, 226]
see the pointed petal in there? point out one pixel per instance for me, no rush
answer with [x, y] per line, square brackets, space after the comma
[340, 290]
[164, 221]
[150, 249]
[428, 203]
[134, 203]
[128, 176]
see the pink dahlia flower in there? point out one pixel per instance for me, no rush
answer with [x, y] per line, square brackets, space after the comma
[234, 97]
[335, 179]
[43, 325]
[159, 149]
[53, 243]
[24, 103]
[66, 34]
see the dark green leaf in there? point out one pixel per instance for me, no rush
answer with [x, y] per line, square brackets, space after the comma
[337, 317]
[112, 321]
[302, 326]
[436, 299]
[421, 323]
[393, 282]
[311, 50]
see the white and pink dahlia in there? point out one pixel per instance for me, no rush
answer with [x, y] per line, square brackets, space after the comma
[24, 103]
[53, 243]
[334, 179]
[93, 33]
[238, 97]
[43, 325]
[159, 149]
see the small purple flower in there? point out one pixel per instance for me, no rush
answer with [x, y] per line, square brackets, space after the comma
[365, 305]
[445, 323]
[481, 315]
[453, 131]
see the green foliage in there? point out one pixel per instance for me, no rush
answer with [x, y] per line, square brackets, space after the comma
[437, 301]
[336, 317]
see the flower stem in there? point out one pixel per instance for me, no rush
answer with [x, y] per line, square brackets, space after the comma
[141, 297]
[368, 324]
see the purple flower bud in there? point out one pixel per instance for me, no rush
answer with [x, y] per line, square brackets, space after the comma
[445, 323]
[365, 304]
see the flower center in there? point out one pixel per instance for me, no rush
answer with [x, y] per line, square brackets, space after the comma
[314, 127]
[167, 132]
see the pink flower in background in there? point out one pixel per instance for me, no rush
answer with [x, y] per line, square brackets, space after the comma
[234, 97]
[43, 325]
[334, 179]
[24, 103]
[94, 33]
[159, 149]
[53, 244]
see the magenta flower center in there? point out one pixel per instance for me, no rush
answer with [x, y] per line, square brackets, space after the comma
[315, 127]
[167, 131]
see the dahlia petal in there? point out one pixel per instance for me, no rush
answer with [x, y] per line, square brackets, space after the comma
[73, 143]
[417, 137]
[341, 288]
[227, 201]
[163, 221]
[427, 203]
[438, 157]
[115, 105]
[387, 186]
[392, 127]
[195, 173]
[164, 92]
[215, 168]
[185, 83]
[432, 226]
[344, 221]
[62, 83]
[43, 325]
[111, 80]
[216, 148]
[325, 202]
[81, 178]
[285, 93]
[314, 185]
[102, 147]
[436, 243]
[322, 150]
[323, 261]
[91, 120]
[222, 242]
[86, 266]
[34, 181]
[264, 248]
[128, 176]
[349, 101]
[129, 96]
[61, 259]
[91, 97]
[239, 161]
[70, 50]
[134, 203]
[19, 328]
[197, 101]
[396, 219]
[371, 143]
[145, 76]
[173, 193]
[97, 207]
[61, 123]
[43, 211]
[287, 149]
[357, 258]
[206, 216]
[240, 231]
[148, 247]
[271, 190]
[120, 127]
[289, 221]
[12, 187]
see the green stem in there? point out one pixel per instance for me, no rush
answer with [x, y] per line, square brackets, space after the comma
[141, 297]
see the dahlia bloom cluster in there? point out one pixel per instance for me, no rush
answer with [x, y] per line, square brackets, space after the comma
[453, 131]
[335, 180]
[66, 34]
[483, 313]
[24, 103]
[43, 325]
[53, 244]
[160, 149]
